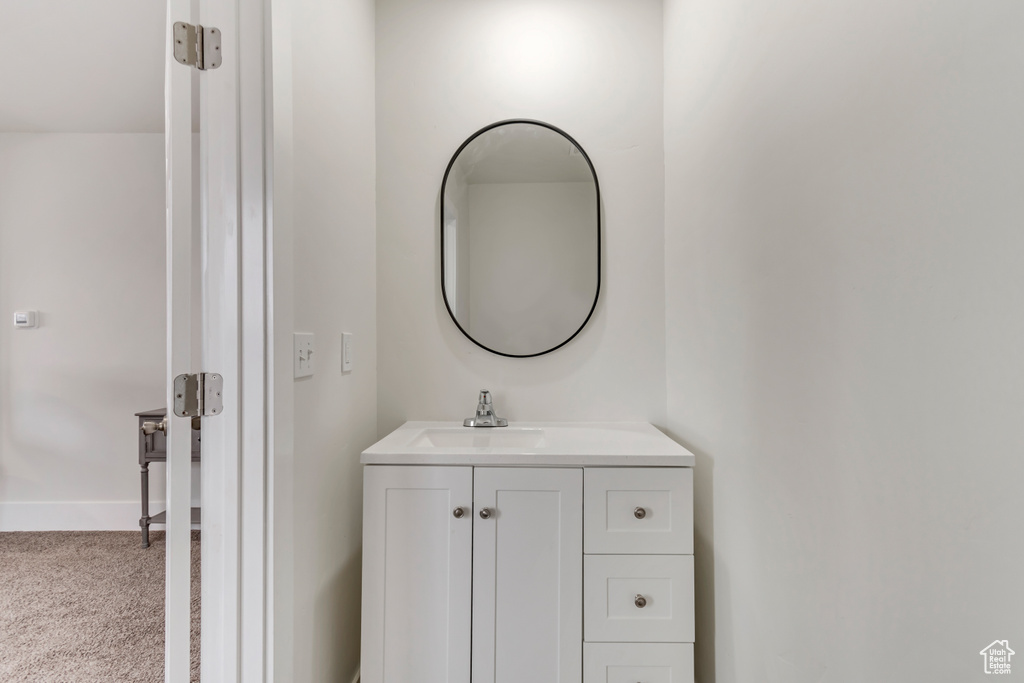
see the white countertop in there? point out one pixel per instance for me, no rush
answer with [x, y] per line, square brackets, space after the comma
[529, 444]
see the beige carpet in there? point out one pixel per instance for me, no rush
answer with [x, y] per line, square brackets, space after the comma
[85, 607]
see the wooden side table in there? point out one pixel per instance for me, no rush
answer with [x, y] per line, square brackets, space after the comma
[153, 448]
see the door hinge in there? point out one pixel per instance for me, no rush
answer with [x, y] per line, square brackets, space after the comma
[198, 395]
[196, 45]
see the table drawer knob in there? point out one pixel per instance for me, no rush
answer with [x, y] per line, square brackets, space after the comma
[148, 428]
[640, 601]
[639, 513]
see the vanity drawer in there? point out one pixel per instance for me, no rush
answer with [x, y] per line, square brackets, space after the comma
[632, 662]
[645, 510]
[638, 598]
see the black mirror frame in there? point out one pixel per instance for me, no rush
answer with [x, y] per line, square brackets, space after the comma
[597, 191]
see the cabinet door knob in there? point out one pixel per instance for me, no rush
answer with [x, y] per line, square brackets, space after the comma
[640, 601]
[485, 513]
[458, 512]
[639, 513]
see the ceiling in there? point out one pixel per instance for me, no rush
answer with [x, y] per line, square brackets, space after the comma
[82, 66]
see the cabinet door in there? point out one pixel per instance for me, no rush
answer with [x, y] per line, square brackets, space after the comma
[527, 575]
[417, 574]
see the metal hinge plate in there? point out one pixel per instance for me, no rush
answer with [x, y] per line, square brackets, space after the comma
[198, 395]
[198, 46]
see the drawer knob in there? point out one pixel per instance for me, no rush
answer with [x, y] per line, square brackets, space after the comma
[458, 512]
[640, 601]
[485, 513]
[148, 428]
[639, 513]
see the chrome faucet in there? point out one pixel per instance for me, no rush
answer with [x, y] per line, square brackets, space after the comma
[485, 416]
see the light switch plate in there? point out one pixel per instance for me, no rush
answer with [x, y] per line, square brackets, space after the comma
[26, 318]
[303, 352]
[346, 352]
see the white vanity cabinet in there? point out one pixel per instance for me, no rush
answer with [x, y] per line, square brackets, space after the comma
[507, 567]
[417, 574]
[527, 584]
[638, 612]
[501, 544]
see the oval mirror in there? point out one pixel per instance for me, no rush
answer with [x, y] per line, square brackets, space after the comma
[520, 238]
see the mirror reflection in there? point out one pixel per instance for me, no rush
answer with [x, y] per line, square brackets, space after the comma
[520, 238]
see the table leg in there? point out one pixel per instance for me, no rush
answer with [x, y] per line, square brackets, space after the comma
[144, 520]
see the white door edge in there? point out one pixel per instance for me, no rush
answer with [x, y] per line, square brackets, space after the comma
[179, 203]
[236, 595]
[255, 588]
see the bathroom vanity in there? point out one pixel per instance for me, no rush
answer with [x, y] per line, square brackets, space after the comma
[547, 552]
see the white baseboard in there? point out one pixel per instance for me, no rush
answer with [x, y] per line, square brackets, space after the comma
[63, 516]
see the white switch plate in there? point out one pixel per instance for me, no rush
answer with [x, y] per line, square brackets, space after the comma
[25, 318]
[303, 354]
[346, 352]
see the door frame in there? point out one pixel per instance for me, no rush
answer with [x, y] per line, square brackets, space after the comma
[237, 572]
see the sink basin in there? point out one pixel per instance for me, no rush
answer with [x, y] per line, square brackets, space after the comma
[478, 437]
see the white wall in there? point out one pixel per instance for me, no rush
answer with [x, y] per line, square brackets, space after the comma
[844, 294]
[62, 76]
[446, 68]
[82, 241]
[324, 276]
